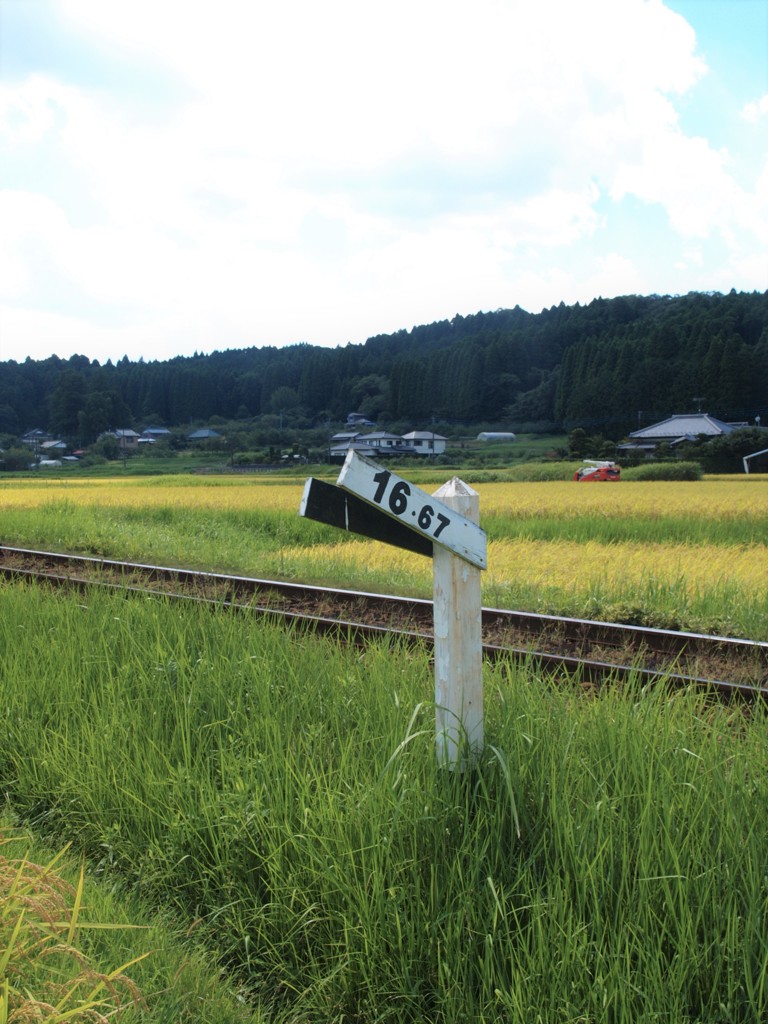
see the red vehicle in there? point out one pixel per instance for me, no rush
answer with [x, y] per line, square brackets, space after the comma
[593, 470]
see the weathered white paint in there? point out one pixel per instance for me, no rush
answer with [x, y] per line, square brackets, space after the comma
[458, 640]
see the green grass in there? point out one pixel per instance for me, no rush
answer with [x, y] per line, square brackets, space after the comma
[247, 540]
[659, 529]
[721, 609]
[604, 862]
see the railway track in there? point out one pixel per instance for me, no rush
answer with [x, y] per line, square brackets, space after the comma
[590, 650]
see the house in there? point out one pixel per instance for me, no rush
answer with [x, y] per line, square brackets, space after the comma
[358, 419]
[204, 434]
[340, 444]
[154, 433]
[52, 449]
[381, 442]
[425, 442]
[34, 438]
[675, 430]
[127, 439]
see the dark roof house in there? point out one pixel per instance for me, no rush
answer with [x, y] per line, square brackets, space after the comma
[204, 434]
[35, 437]
[340, 445]
[675, 430]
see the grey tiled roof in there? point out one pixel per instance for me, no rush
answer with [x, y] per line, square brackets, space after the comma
[684, 425]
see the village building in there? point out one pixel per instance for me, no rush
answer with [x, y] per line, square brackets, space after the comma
[358, 419]
[381, 442]
[204, 434]
[127, 439]
[382, 439]
[426, 442]
[53, 449]
[35, 438]
[675, 430]
[340, 444]
[154, 433]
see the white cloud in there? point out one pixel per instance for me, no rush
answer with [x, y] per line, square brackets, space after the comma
[755, 110]
[328, 171]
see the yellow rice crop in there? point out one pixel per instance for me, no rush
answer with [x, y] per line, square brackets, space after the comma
[719, 499]
[562, 565]
[724, 499]
[175, 492]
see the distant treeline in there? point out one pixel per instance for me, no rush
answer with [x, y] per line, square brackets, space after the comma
[610, 365]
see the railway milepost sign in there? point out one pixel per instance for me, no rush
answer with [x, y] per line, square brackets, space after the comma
[415, 508]
[449, 520]
[328, 504]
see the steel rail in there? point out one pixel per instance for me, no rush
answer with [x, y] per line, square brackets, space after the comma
[282, 599]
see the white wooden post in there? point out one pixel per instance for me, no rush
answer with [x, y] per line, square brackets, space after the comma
[449, 520]
[458, 640]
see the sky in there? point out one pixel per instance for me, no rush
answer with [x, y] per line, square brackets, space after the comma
[179, 176]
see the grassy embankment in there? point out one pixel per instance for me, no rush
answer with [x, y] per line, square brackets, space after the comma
[604, 861]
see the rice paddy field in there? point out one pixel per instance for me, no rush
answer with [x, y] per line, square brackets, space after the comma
[278, 798]
[680, 554]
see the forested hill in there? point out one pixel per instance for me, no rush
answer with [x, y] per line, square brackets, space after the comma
[607, 365]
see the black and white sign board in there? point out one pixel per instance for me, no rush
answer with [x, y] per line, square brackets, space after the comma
[329, 504]
[419, 511]
[373, 501]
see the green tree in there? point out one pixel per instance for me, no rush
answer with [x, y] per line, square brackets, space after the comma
[67, 399]
[578, 443]
[15, 459]
[283, 399]
[9, 420]
[102, 410]
[107, 446]
[370, 395]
